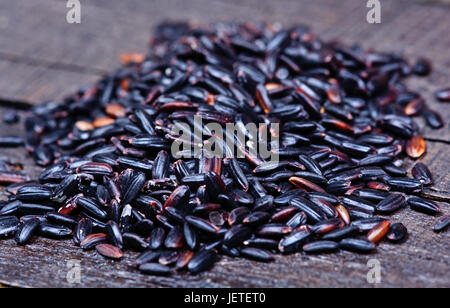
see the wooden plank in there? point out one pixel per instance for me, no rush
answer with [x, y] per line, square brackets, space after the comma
[36, 84]
[47, 36]
[412, 266]
[422, 262]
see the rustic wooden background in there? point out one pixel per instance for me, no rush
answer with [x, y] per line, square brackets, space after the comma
[43, 58]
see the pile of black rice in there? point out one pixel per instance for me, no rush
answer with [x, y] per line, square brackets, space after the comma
[112, 183]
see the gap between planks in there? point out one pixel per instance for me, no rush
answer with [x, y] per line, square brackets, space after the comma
[60, 66]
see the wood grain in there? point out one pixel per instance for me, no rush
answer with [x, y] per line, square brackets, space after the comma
[44, 58]
[33, 83]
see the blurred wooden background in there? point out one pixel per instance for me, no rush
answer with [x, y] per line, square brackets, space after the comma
[42, 58]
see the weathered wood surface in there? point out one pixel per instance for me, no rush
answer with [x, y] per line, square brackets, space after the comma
[43, 58]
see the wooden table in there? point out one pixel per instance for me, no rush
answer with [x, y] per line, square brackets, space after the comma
[44, 58]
